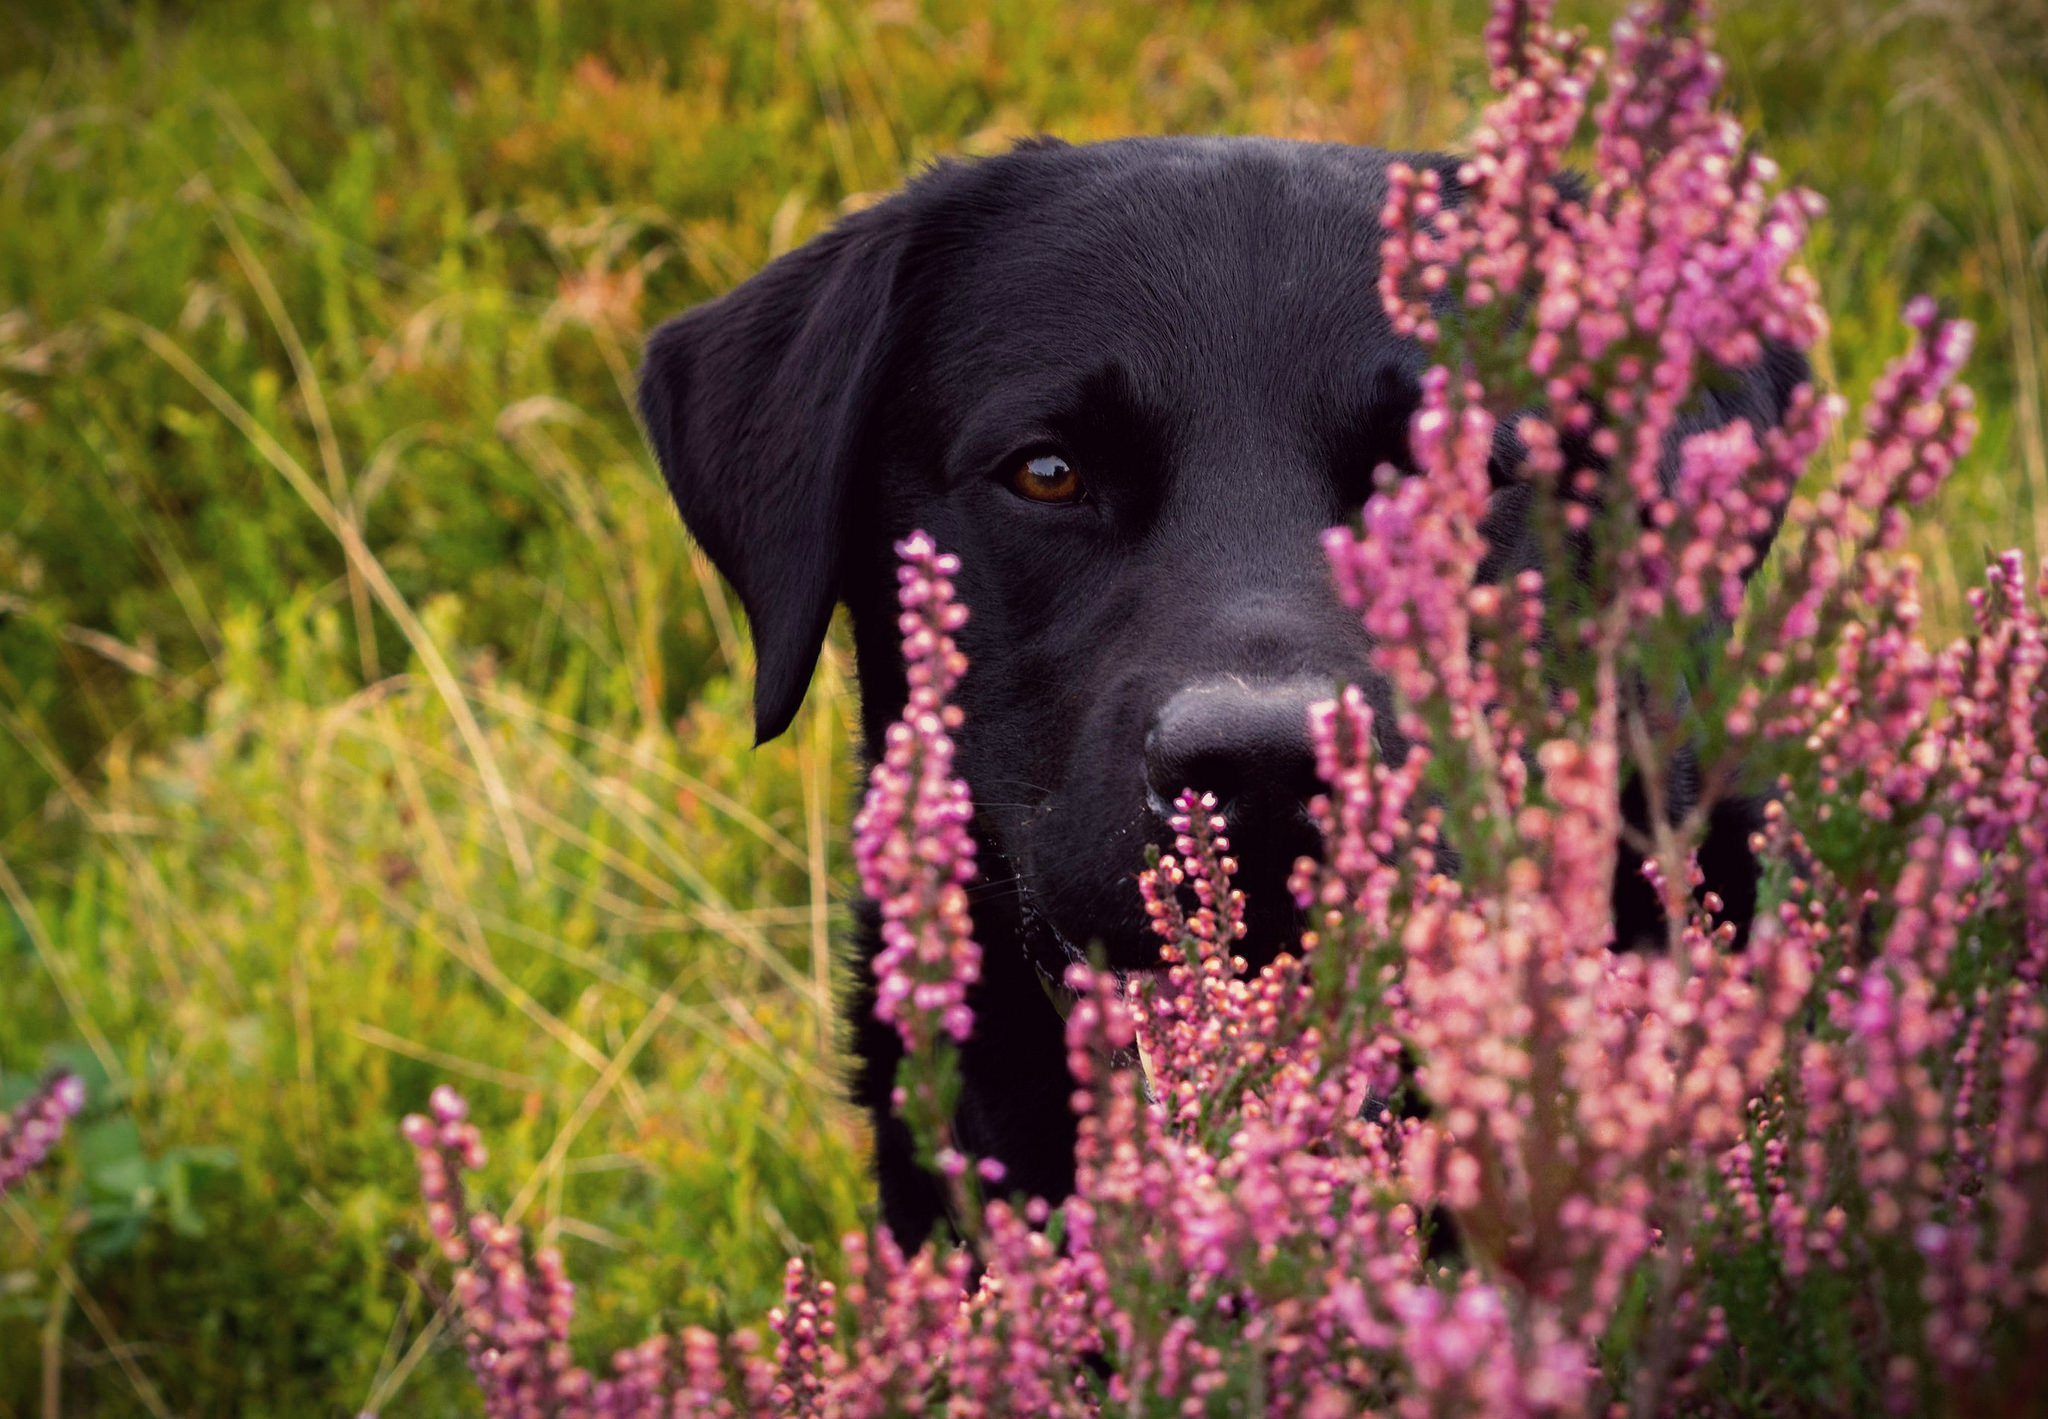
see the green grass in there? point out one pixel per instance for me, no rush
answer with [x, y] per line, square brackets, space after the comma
[366, 719]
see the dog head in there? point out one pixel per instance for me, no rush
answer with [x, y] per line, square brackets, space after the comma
[1130, 384]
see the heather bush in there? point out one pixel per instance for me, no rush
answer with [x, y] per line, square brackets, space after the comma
[1456, 1153]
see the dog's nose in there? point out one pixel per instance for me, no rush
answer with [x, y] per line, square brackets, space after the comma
[1245, 742]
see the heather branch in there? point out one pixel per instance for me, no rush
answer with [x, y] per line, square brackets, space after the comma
[915, 856]
[33, 1129]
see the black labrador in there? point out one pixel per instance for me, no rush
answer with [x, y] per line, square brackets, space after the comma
[1129, 383]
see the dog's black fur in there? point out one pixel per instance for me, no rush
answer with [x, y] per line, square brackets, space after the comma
[1193, 324]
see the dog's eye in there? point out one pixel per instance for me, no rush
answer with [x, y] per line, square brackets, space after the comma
[1047, 478]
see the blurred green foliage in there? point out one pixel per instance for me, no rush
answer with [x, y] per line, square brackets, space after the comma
[288, 833]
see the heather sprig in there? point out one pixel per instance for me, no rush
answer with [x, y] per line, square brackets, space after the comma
[1207, 1034]
[29, 1133]
[515, 1303]
[915, 856]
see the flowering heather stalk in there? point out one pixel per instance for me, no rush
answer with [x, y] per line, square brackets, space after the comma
[803, 1332]
[1807, 1177]
[911, 844]
[515, 1304]
[32, 1130]
[1189, 1017]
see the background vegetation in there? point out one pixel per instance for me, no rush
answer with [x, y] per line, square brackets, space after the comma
[365, 717]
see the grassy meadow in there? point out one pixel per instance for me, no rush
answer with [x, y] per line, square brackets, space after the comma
[368, 721]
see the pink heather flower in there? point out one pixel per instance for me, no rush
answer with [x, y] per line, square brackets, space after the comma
[910, 838]
[804, 1329]
[1918, 423]
[1183, 1015]
[516, 1304]
[32, 1130]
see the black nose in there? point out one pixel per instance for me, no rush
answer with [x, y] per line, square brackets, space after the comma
[1245, 742]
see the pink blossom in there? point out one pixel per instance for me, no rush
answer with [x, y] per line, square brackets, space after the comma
[32, 1130]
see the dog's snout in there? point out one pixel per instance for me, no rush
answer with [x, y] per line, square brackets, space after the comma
[1245, 742]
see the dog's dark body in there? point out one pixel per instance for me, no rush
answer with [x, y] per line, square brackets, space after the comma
[1192, 325]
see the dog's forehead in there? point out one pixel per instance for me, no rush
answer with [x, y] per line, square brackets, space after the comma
[1181, 261]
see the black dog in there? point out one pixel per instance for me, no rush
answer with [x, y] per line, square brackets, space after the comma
[1129, 383]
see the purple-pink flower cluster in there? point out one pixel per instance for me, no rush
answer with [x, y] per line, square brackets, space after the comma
[910, 837]
[915, 856]
[32, 1130]
[516, 1302]
[1462, 1152]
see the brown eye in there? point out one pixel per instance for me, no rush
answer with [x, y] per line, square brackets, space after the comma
[1047, 478]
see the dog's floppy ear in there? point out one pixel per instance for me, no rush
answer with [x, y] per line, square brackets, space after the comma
[755, 404]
